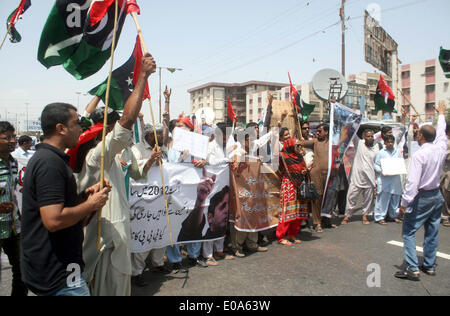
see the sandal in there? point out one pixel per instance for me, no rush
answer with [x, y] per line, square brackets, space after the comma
[365, 221]
[345, 221]
[382, 222]
[285, 242]
[430, 272]
[319, 229]
[295, 241]
[212, 262]
[446, 223]
[408, 275]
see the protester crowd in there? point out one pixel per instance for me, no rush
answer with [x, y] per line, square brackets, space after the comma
[55, 233]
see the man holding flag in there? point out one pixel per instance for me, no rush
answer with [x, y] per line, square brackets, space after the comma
[109, 270]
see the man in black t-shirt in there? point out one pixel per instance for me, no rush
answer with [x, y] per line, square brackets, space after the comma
[53, 212]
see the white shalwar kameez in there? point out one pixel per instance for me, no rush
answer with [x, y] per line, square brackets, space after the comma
[108, 271]
[362, 183]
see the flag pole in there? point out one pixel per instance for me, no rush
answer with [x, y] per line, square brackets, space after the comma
[105, 121]
[138, 27]
[407, 99]
[6, 35]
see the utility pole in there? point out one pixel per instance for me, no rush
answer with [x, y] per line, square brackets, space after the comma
[27, 115]
[172, 70]
[342, 15]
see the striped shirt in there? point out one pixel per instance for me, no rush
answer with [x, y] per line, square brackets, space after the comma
[8, 182]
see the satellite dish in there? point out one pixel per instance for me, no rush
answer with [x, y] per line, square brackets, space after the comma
[205, 115]
[329, 84]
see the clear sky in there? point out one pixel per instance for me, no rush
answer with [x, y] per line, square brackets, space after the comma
[222, 41]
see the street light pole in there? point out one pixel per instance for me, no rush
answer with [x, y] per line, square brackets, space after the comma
[27, 115]
[172, 70]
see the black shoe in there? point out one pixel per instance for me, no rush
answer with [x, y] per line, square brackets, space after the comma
[178, 267]
[431, 272]
[140, 281]
[408, 274]
[198, 262]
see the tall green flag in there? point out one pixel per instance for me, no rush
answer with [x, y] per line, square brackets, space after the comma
[78, 34]
[444, 59]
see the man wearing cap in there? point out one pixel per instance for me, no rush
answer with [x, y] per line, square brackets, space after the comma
[109, 268]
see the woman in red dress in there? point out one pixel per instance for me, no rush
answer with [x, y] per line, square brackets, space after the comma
[293, 212]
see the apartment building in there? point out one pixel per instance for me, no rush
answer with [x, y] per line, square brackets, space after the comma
[214, 95]
[423, 85]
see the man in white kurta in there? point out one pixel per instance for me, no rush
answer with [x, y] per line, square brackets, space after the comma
[362, 184]
[108, 270]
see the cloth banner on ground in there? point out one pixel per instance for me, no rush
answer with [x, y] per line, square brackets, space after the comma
[255, 196]
[191, 219]
[344, 123]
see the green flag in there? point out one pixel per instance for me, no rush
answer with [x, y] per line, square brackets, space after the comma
[78, 34]
[307, 109]
[444, 59]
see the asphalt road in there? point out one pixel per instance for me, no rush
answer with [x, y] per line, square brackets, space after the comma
[333, 263]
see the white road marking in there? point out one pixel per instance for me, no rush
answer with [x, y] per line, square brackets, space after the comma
[420, 249]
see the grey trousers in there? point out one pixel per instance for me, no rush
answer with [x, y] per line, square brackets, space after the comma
[359, 199]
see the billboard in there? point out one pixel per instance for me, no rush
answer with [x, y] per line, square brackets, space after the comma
[379, 45]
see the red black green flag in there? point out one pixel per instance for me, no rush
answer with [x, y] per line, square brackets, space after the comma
[384, 97]
[78, 34]
[123, 81]
[13, 18]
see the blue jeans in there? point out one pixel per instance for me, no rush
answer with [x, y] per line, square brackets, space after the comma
[426, 211]
[174, 254]
[386, 203]
[82, 290]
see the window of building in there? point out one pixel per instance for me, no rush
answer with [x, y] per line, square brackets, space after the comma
[430, 71]
[429, 107]
[406, 74]
[430, 89]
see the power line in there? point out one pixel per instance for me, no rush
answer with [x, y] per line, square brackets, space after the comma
[223, 48]
[294, 43]
[267, 43]
[267, 55]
